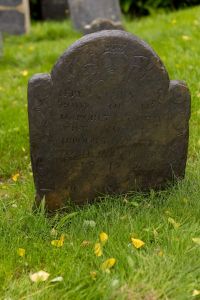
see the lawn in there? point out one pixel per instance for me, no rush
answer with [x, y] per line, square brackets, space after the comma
[168, 264]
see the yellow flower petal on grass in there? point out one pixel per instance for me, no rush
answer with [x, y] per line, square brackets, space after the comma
[24, 73]
[196, 293]
[137, 243]
[85, 243]
[196, 241]
[21, 252]
[58, 243]
[103, 237]
[108, 264]
[98, 249]
[15, 177]
[160, 253]
[39, 276]
[186, 38]
[53, 232]
[93, 275]
[174, 223]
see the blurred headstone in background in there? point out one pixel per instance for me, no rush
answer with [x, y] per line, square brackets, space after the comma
[14, 16]
[54, 9]
[94, 15]
[1, 44]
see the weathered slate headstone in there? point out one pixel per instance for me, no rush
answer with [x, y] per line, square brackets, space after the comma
[107, 120]
[14, 16]
[54, 9]
[94, 15]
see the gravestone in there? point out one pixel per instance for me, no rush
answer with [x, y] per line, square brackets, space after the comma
[54, 9]
[107, 120]
[94, 15]
[1, 45]
[14, 16]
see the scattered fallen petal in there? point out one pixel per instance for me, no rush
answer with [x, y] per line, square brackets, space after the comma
[108, 264]
[57, 279]
[21, 252]
[31, 48]
[24, 73]
[161, 253]
[15, 177]
[155, 233]
[186, 38]
[93, 275]
[196, 241]
[39, 276]
[196, 293]
[98, 249]
[53, 232]
[89, 223]
[58, 243]
[103, 237]
[85, 243]
[174, 223]
[137, 243]
[115, 283]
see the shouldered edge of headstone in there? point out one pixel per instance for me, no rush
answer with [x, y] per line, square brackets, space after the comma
[107, 120]
[15, 16]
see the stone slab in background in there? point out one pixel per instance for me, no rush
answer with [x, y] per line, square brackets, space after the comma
[54, 9]
[107, 120]
[95, 15]
[14, 16]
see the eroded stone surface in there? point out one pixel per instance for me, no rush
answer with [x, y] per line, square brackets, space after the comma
[14, 16]
[94, 15]
[107, 120]
[54, 9]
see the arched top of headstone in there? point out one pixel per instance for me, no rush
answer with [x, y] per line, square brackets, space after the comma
[110, 51]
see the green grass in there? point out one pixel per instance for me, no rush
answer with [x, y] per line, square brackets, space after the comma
[138, 274]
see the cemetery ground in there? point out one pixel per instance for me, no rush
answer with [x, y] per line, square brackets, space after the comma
[167, 265]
